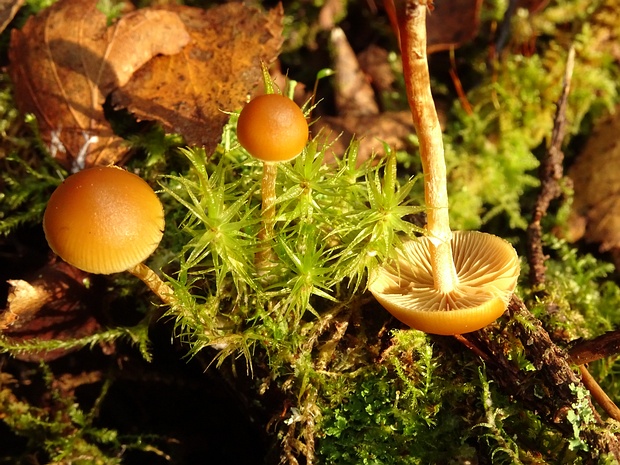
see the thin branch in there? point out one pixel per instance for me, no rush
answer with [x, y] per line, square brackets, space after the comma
[551, 171]
[605, 345]
[598, 394]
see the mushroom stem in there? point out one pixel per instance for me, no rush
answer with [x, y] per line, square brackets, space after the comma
[411, 17]
[154, 283]
[264, 256]
[268, 194]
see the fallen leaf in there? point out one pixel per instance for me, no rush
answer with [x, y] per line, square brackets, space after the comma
[188, 93]
[8, 9]
[23, 301]
[51, 305]
[452, 23]
[372, 131]
[66, 60]
[595, 213]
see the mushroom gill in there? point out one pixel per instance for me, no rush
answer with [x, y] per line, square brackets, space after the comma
[487, 269]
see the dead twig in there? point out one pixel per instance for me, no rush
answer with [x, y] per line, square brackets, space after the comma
[605, 345]
[551, 171]
[598, 394]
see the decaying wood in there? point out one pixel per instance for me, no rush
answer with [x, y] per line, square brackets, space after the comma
[551, 388]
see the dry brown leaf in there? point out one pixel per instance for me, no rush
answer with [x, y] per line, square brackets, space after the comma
[51, 305]
[596, 178]
[452, 23]
[372, 131]
[23, 302]
[66, 60]
[8, 9]
[187, 93]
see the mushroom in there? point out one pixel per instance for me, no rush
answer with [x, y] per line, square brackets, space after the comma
[487, 268]
[273, 129]
[106, 220]
[443, 283]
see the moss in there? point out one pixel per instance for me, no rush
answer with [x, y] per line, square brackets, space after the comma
[397, 412]
[64, 431]
[581, 297]
[513, 106]
[349, 390]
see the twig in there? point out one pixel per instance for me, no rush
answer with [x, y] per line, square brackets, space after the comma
[458, 86]
[599, 395]
[550, 174]
[603, 346]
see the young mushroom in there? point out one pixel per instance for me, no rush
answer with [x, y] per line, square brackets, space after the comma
[273, 129]
[106, 220]
[444, 283]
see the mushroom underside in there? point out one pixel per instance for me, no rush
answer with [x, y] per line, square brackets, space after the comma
[487, 268]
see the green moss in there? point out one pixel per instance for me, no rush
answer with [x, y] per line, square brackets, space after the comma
[492, 152]
[333, 226]
[65, 432]
[581, 296]
[354, 392]
[396, 412]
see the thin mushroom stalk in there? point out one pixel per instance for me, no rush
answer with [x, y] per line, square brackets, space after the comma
[265, 256]
[411, 19]
[154, 283]
[444, 282]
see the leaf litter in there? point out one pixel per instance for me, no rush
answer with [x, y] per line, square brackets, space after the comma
[66, 60]
[181, 66]
[190, 92]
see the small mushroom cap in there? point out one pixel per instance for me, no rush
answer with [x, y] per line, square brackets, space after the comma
[104, 220]
[487, 268]
[272, 128]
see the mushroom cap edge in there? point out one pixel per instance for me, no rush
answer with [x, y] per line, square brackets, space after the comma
[488, 269]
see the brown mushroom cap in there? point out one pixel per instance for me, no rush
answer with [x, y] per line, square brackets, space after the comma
[104, 220]
[272, 128]
[487, 268]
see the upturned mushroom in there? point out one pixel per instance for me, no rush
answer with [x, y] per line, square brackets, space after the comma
[106, 220]
[443, 283]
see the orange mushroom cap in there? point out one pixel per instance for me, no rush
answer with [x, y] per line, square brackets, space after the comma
[104, 220]
[487, 268]
[272, 128]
